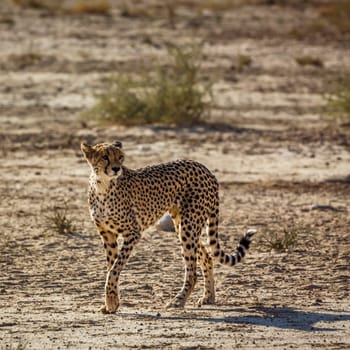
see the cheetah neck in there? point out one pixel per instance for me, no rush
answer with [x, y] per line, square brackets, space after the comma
[100, 184]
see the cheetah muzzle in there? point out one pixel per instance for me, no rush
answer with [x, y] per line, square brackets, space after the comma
[124, 202]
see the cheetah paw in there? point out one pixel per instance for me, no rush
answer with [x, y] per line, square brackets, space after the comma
[111, 304]
[176, 303]
[206, 301]
[103, 309]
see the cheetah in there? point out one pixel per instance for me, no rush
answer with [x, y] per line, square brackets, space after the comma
[124, 202]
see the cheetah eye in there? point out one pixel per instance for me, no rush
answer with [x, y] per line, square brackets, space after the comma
[121, 158]
[105, 157]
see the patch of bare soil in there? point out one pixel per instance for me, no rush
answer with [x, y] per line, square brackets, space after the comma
[283, 169]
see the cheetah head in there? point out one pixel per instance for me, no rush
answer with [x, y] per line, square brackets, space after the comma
[105, 159]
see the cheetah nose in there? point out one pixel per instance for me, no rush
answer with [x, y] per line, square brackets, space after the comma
[116, 169]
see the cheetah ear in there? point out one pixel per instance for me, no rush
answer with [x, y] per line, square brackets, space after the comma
[118, 144]
[86, 149]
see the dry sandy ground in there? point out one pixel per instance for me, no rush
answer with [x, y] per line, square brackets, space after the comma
[274, 155]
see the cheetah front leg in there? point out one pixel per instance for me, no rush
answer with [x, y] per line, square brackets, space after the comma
[110, 245]
[111, 288]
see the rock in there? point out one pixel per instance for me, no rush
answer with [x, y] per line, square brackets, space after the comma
[166, 224]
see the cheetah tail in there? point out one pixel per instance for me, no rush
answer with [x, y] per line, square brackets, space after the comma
[240, 252]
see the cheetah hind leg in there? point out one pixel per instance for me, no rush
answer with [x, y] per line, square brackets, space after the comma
[206, 264]
[189, 253]
[178, 302]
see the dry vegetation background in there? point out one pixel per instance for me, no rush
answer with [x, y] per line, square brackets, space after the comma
[277, 138]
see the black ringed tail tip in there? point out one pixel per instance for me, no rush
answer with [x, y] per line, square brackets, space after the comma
[246, 239]
[250, 233]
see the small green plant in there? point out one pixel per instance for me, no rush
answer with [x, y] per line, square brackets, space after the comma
[174, 95]
[338, 103]
[58, 221]
[280, 241]
[309, 61]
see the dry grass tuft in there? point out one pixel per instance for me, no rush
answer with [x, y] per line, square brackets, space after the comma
[280, 241]
[309, 61]
[57, 221]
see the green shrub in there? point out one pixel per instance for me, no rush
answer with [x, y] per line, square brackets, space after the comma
[339, 101]
[173, 95]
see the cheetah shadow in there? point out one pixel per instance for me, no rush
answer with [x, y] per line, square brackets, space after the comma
[272, 317]
[284, 318]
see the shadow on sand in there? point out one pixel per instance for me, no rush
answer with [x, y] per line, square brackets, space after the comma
[276, 317]
[285, 318]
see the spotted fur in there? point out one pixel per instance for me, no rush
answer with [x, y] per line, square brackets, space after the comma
[124, 202]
